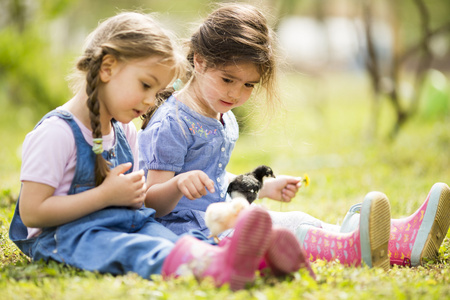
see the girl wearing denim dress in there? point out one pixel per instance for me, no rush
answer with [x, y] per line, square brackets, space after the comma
[82, 195]
[231, 53]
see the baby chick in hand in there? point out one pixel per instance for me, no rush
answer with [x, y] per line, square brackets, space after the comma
[249, 184]
[221, 216]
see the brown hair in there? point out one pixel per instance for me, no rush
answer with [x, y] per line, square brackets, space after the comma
[126, 36]
[231, 34]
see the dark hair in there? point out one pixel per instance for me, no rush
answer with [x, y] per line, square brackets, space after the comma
[126, 36]
[231, 34]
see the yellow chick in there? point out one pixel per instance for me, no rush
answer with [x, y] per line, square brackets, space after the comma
[221, 216]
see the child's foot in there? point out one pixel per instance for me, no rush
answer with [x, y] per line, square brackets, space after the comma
[234, 263]
[368, 243]
[420, 235]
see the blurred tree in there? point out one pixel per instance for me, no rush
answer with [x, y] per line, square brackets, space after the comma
[413, 59]
[420, 43]
[30, 74]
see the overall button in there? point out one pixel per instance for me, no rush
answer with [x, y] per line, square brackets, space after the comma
[64, 113]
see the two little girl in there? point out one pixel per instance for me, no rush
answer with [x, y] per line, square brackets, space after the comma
[82, 194]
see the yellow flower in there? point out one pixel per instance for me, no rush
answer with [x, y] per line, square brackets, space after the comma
[305, 179]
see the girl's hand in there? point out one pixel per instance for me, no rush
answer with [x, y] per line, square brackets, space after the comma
[282, 188]
[193, 184]
[124, 189]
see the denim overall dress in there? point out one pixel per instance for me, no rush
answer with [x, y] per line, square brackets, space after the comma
[113, 240]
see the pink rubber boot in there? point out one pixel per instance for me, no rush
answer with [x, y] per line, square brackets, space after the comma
[368, 243]
[421, 234]
[234, 263]
[285, 254]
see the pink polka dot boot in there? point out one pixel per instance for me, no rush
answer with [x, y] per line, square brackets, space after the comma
[420, 235]
[367, 244]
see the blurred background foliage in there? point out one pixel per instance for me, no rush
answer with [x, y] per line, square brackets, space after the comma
[40, 39]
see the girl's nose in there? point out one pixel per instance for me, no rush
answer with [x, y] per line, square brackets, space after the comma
[234, 93]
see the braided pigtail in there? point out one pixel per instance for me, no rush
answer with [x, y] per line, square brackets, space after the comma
[93, 80]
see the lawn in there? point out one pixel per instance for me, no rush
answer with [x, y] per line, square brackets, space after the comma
[323, 132]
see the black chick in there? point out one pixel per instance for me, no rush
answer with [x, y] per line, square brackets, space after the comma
[249, 184]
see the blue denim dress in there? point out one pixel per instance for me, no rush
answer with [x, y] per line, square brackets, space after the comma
[113, 240]
[179, 139]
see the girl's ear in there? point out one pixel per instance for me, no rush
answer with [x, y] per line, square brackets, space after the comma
[108, 67]
[199, 62]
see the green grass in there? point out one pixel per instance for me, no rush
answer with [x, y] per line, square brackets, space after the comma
[323, 133]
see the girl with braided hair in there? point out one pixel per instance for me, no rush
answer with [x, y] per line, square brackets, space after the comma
[82, 194]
